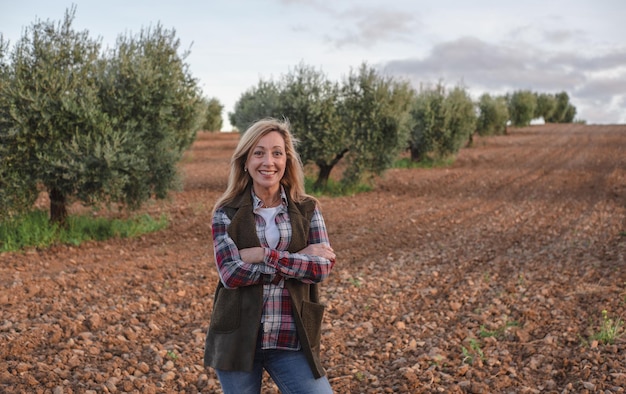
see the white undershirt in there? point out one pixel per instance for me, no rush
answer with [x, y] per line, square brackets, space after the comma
[271, 230]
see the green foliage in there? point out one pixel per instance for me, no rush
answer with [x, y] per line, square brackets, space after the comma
[33, 229]
[474, 351]
[213, 116]
[610, 329]
[429, 121]
[522, 104]
[363, 120]
[310, 101]
[51, 96]
[462, 124]
[93, 126]
[256, 103]
[374, 111]
[367, 119]
[334, 188]
[356, 282]
[426, 162]
[441, 122]
[153, 104]
[493, 115]
[564, 111]
[546, 104]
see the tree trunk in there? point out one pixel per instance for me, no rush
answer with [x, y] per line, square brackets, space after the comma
[416, 154]
[325, 169]
[322, 176]
[58, 207]
[470, 141]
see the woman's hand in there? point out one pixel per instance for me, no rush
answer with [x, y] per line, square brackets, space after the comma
[321, 250]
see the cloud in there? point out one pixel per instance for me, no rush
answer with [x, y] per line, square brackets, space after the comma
[595, 82]
[536, 32]
[320, 5]
[489, 66]
[366, 27]
[603, 89]
[362, 26]
[561, 36]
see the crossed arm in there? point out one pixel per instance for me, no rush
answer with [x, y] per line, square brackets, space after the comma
[265, 265]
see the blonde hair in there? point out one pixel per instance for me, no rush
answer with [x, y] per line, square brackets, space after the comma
[238, 178]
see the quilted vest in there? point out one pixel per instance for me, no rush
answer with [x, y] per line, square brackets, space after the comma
[236, 317]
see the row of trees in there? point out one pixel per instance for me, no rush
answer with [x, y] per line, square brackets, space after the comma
[524, 106]
[366, 116]
[99, 126]
[109, 126]
[367, 119]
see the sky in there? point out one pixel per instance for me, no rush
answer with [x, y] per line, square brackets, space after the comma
[487, 46]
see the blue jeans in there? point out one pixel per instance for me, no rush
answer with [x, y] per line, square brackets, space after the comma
[289, 370]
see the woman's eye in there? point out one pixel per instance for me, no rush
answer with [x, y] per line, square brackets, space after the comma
[258, 153]
[278, 153]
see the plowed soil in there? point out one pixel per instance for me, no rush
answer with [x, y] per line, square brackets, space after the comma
[489, 276]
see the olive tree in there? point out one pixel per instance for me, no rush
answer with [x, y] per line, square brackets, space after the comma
[461, 113]
[441, 121]
[154, 104]
[546, 104]
[91, 126]
[564, 111]
[522, 104]
[310, 101]
[362, 120]
[213, 114]
[493, 115]
[16, 190]
[428, 121]
[374, 110]
[260, 101]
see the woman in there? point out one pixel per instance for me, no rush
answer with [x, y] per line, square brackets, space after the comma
[271, 249]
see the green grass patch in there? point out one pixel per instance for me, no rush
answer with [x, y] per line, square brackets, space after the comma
[334, 188]
[471, 353]
[35, 230]
[610, 329]
[427, 162]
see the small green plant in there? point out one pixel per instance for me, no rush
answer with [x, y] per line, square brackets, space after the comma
[172, 355]
[610, 329]
[469, 355]
[498, 332]
[360, 376]
[355, 282]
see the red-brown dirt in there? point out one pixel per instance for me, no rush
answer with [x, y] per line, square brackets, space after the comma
[489, 276]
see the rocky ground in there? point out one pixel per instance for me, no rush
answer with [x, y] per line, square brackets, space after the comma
[490, 276]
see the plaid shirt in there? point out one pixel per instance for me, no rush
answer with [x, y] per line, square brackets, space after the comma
[279, 330]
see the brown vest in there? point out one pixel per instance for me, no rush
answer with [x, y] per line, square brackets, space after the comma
[236, 317]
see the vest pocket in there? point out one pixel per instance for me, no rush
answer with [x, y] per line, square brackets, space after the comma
[312, 315]
[226, 311]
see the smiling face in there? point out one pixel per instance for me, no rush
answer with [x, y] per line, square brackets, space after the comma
[266, 163]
